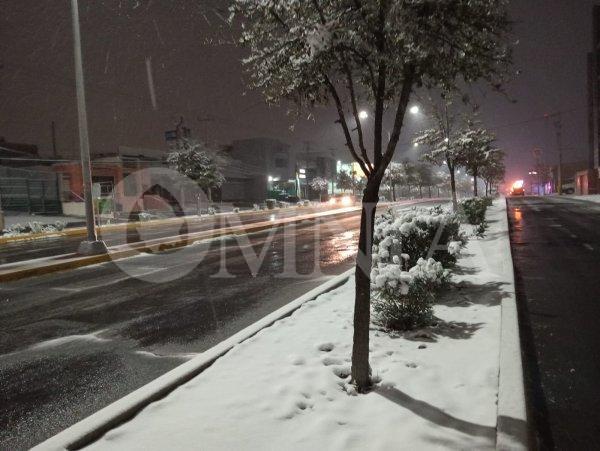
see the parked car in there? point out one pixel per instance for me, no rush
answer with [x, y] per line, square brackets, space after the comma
[568, 186]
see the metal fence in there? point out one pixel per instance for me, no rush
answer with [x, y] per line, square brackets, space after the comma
[30, 191]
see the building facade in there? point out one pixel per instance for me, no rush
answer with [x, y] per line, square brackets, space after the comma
[588, 180]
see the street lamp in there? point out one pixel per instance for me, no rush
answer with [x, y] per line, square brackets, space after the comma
[363, 115]
[416, 145]
[92, 246]
[414, 109]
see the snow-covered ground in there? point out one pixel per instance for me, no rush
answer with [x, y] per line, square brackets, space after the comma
[12, 218]
[590, 198]
[288, 386]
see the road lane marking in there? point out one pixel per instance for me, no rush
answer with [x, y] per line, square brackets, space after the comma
[588, 246]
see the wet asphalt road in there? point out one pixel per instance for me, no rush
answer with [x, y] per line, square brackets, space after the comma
[28, 250]
[73, 342]
[556, 252]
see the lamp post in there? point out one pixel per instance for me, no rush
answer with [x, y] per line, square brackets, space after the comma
[92, 245]
[1, 215]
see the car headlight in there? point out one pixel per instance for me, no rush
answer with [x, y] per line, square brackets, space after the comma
[346, 201]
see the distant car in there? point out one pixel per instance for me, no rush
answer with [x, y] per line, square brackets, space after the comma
[518, 188]
[568, 187]
[345, 200]
[517, 191]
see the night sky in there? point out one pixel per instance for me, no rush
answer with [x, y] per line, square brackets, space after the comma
[200, 78]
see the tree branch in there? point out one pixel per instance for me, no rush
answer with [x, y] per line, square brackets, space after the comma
[342, 119]
[407, 86]
[380, 93]
[361, 142]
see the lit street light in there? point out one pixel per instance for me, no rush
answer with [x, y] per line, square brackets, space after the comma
[363, 115]
[414, 109]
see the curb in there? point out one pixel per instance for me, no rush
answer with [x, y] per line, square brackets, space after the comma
[511, 428]
[20, 270]
[93, 427]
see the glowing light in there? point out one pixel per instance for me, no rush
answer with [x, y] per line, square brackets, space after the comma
[270, 178]
[518, 184]
[363, 115]
[447, 140]
[518, 215]
[347, 201]
[414, 109]
[416, 145]
[332, 201]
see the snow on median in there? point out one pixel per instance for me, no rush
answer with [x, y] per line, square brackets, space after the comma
[288, 386]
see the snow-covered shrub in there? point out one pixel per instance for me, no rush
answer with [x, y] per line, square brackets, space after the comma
[418, 233]
[15, 229]
[474, 210]
[60, 225]
[403, 300]
[143, 216]
[36, 227]
[256, 207]
[479, 230]
[211, 211]
[236, 210]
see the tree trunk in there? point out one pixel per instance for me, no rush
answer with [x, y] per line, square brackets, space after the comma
[420, 192]
[394, 192]
[429, 188]
[362, 302]
[453, 188]
[475, 184]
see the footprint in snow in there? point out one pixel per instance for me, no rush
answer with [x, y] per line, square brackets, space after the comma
[328, 361]
[297, 360]
[326, 347]
[341, 371]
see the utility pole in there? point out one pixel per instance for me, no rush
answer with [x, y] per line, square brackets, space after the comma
[307, 152]
[91, 246]
[53, 129]
[558, 127]
[1, 214]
